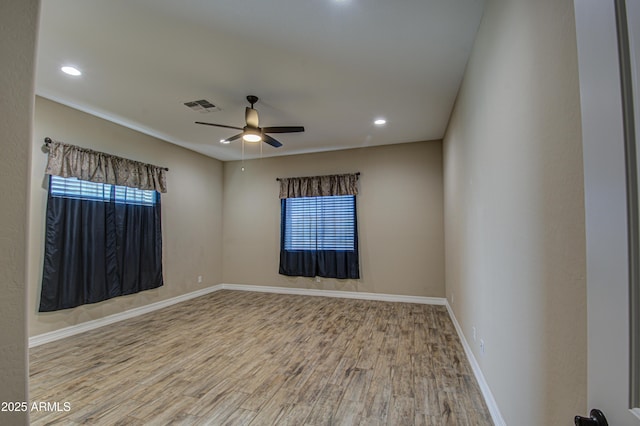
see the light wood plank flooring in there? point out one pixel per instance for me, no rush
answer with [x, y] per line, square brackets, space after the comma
[235, 357]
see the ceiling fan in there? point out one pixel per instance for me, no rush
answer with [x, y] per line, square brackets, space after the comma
[252, 132]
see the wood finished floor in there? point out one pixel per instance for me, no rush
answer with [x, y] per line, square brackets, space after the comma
[245, 358]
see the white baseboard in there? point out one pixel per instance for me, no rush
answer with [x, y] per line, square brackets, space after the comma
[338, 293]
[110, 319]
[496, 416]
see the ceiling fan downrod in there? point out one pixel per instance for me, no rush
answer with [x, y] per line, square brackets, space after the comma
[252, 100]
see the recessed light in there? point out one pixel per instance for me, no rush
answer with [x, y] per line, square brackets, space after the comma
[224, 141]
[71, 70]
[380, 122]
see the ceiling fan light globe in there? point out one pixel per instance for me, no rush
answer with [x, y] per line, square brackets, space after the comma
[250, 137]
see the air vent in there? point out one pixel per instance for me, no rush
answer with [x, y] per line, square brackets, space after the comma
[202, 105]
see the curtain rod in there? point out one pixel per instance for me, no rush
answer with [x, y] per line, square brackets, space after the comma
[48, 140]
[356, 173]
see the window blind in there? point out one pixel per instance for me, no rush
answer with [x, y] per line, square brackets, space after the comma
[84, 190]
[320, 223]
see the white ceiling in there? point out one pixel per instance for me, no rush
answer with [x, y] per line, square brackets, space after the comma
[332, 66]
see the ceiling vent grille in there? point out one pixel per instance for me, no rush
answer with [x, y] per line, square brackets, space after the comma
[202, 106]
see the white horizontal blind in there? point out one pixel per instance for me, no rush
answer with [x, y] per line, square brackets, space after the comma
[320, 223]
[127, 195]
[84, 190]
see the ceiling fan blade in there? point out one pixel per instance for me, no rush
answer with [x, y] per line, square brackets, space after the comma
[283, 129]
[234, 137]
[219, 125]
[251, 117]
[271, 141]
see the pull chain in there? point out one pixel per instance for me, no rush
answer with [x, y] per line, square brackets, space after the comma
[242, 155]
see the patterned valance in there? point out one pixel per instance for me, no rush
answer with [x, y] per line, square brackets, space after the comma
[72, 161]
[319, 186]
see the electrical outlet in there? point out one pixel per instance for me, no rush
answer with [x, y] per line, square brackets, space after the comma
[482, 347]
[199, 278]
[473, 329]
[317, 279]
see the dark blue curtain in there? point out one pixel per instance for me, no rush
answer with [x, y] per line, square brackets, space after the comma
[97, 250]
[341, 264]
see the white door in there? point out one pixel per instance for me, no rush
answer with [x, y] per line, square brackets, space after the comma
[611, 364]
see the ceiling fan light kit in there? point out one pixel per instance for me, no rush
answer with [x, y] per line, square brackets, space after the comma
[252, 132]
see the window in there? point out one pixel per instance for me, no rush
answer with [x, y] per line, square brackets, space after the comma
[320, 223]
[319, 237]
[84, 190]
[102, 241]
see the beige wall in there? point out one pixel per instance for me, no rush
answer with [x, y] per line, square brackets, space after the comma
[18, 24]
[401, 230]
[399, 212]
[191, 211]
[514, 209]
